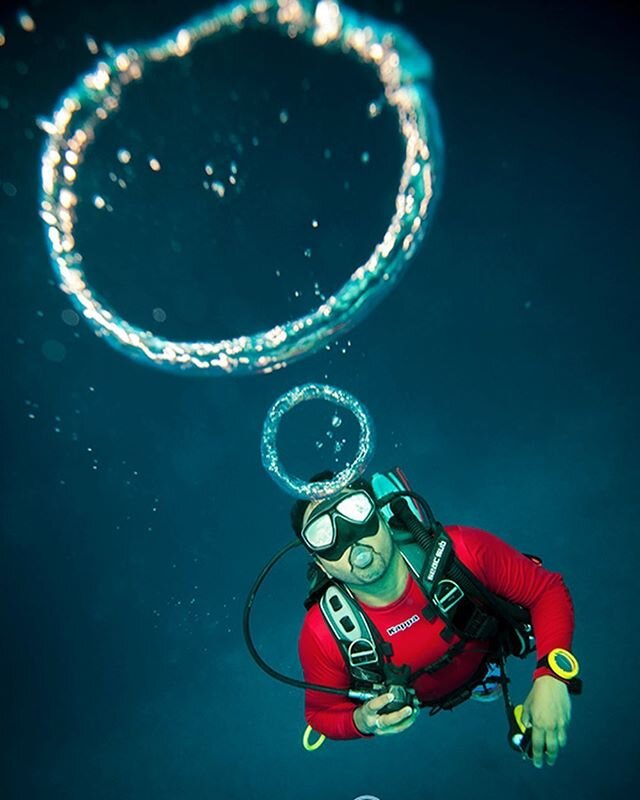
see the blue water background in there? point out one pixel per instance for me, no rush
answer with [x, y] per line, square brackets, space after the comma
[502, 374]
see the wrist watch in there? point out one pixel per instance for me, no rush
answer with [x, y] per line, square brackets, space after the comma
[564, 665]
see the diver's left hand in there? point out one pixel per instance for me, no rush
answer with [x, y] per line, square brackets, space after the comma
[547, 711]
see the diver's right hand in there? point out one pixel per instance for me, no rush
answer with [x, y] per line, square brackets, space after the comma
[369, 719]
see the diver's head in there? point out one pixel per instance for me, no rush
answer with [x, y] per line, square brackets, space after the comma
[345, 533]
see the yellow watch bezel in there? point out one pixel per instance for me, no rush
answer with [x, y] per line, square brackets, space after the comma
[561, 672]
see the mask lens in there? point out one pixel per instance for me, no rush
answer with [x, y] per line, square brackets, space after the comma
[356, 507]
[319, 533]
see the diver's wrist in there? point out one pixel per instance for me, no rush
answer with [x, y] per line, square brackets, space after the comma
[544, 674]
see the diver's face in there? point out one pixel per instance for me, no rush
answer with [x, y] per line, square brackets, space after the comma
[345, 569]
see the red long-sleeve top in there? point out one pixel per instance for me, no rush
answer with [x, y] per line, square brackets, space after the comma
[417, 641]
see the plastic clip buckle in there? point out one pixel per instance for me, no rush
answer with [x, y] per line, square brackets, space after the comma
[365, 655]
[447, 595]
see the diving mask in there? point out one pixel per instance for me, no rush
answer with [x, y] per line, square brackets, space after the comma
[337, 523]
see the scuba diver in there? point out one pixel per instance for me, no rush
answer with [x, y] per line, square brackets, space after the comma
[405, 613]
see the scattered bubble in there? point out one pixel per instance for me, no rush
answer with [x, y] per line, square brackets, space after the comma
[208, 168]
[159, 314]
[9, 189]
[374, 109]
[319, 445]
[92, 45]
[40, 313]
[327, 153]
[124, 156]
[314, 223]
[54, 351]
[4, 103]
[26, 21]
[307, 252]
[70, 317]
[22, 68]
[284, 116]
[99, 201]
[154, 164]
[337, 447]
[527, 305]
[218, 188]
[365, 157]
[336, 421]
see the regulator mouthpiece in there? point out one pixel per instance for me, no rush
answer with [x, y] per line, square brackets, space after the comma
[361, 557]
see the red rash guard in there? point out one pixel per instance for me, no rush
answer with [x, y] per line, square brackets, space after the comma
[418, 643]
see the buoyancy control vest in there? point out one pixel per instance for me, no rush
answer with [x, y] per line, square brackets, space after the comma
[468, 609]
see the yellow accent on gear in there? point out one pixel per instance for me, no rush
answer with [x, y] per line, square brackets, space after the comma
[318, 742]
[559, 654]
[517, 713]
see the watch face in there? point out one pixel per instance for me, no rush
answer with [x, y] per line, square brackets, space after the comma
[563, 663]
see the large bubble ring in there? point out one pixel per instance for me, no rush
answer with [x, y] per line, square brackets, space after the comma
[403, 68]
[300, 394]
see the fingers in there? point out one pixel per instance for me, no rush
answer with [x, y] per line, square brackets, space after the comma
[396, 722]
[537, 745]
[546, 744]
[378, 703]
[551, 748]
[370, 717]
[562, 737]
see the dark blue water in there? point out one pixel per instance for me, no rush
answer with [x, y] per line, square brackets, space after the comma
[502, 374]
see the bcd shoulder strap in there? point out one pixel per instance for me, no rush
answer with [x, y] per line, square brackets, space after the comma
[360, 644]
[468, 609]
[450, 591]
